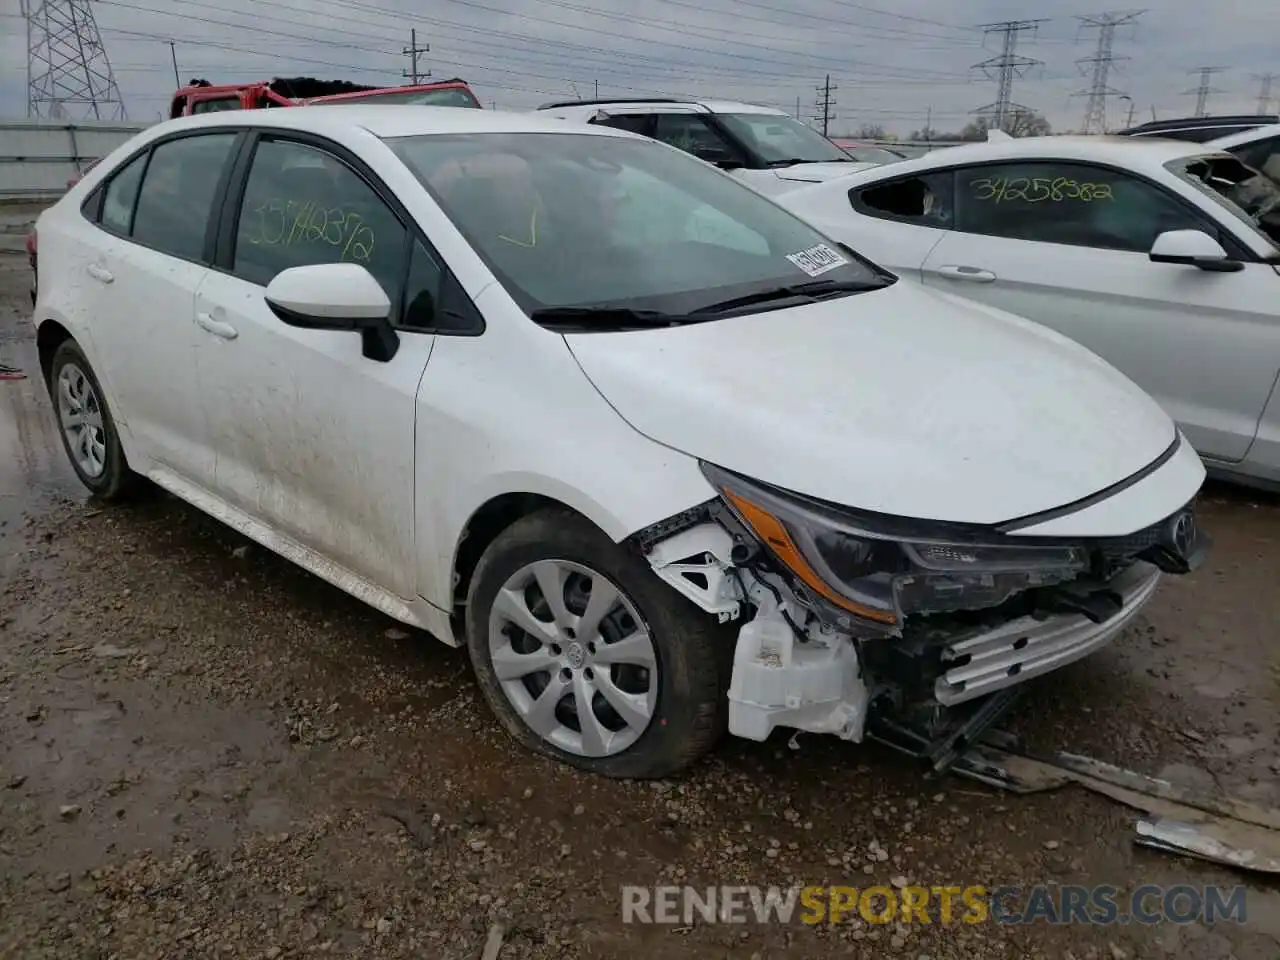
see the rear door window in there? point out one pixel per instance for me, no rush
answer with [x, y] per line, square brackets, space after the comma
[177, 195]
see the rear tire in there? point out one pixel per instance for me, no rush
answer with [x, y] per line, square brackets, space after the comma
[653, 671]
[88, 431]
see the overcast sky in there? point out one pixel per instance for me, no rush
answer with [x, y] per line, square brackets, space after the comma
[894, 64]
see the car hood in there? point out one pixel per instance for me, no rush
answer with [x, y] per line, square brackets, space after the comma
[901, 401]
[820, 172]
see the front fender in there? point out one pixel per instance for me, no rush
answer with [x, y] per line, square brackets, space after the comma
[511, 413]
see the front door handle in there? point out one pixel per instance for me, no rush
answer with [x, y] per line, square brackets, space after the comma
[218, 328]
[972, 274]
[101, 274]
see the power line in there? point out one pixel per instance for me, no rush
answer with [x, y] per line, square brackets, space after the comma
[469, 62]
[810, 60]
[1264, 91]
[1095, 113]
[412, 52]
[1202, 92]
[826, 104]
[67, 65]
[1007, 66]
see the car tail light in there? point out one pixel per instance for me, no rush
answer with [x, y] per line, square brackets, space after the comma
[31, 247]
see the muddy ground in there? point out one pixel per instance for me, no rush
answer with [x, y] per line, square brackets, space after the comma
[207, 752]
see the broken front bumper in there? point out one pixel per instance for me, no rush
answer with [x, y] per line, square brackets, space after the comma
[1026, 647]
[821, 686]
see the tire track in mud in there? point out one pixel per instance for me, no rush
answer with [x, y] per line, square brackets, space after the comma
[31, 455]
[33, 467]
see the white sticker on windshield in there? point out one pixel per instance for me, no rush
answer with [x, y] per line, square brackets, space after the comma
[817, 260]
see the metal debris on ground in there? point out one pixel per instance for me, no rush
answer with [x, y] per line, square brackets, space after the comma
[1229, 843]
[493, 944]
[1220, 829]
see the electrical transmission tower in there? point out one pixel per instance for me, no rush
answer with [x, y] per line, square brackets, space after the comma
[1004, 68]
[1095, 113]
[68, 73]
[1264, 91]
[413, 51]
[1202, 92]
[826, 104]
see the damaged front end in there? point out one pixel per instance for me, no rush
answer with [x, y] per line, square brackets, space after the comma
[913, 632]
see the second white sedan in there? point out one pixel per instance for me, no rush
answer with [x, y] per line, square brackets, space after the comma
[1161, 256]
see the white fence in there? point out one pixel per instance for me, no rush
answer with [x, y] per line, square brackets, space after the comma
[38, 157]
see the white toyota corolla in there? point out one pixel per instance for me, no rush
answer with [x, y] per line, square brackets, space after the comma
[660, 454]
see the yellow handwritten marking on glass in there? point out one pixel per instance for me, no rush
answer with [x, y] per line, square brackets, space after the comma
[1038, 190]
[283, 223]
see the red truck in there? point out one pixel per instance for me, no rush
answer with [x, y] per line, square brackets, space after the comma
[200, 96]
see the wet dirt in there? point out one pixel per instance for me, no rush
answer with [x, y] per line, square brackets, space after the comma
[207, 752]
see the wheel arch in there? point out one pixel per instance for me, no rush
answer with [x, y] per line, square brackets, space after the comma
[50, 335]
[484, 526]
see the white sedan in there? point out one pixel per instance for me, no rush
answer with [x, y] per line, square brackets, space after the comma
[658, 453]
[1259, 148]
[1160, 256]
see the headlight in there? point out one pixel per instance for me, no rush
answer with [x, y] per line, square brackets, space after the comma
[882, 575]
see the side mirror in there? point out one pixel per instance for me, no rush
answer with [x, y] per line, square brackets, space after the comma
[1193, 248]
[336, 296]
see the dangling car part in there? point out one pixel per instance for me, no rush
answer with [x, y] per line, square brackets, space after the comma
[914, 633]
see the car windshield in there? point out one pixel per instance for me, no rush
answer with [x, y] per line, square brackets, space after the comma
[584, 221]
[1248, 194]
[776, 138]
[446, 97]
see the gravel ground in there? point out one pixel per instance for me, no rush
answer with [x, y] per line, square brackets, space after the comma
[209, 753]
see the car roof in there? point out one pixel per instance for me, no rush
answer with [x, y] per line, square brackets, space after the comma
[1200, 123]
[1245, 136]
[388, 120]
[661, 103]
[1138, 153]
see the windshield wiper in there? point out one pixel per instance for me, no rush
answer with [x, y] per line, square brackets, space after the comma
[794, 161]
[811, 291]
[604, 317]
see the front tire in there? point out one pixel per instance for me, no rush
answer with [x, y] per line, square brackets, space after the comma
[89, 434]
[560, 618]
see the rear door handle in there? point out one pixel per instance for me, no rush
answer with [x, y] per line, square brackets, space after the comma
[972, 274]
[99, 273]
[219, 329]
